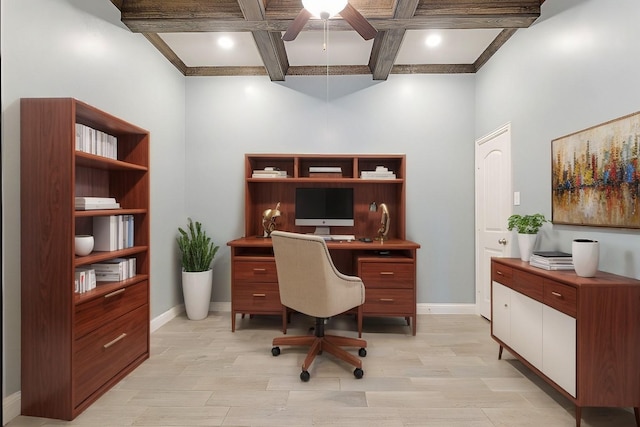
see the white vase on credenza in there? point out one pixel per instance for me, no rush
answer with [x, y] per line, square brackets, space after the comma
[526, 243]
[586, 255]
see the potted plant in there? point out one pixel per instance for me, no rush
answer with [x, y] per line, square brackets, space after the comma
[527, 227]
[197, 253]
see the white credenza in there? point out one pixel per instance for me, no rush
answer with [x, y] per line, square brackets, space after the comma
[581, 335]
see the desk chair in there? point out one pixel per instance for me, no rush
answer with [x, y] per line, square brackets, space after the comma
[310, 284]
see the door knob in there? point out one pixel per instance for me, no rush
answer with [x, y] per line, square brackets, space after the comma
[502, 241]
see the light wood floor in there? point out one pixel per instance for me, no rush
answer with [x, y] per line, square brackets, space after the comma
[202, 374]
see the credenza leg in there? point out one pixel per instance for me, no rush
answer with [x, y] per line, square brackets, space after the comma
[578, 415]
[500, 352]
[636, 410]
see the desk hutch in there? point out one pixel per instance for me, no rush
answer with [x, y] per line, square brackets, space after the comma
[387, 268]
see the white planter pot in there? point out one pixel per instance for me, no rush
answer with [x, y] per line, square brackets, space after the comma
[526, 243]
[196, 289]
[586, 255]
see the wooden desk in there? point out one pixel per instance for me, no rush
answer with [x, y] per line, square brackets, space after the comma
[581, 335]
[390, 279]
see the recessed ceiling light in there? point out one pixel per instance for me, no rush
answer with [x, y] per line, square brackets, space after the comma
[433, 40]
[225, 42]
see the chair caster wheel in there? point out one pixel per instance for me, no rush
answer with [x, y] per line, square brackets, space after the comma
[275, 351]
[304, 376]
[362, 352]
[358, 373]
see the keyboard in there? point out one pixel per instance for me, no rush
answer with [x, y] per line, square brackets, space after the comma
[347, 237]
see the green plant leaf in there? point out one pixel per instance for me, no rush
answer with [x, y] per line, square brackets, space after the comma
[197, 249]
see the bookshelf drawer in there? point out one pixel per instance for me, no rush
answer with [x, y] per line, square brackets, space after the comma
[101, 355]
[561, 297]
[256, 297]
[390, 302]
[99, 311]
[255, 271]
[501, 274]
[387, 274]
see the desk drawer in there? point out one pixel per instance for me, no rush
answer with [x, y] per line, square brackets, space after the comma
[561, 297]
[528, 284]
[387, 274]
[501, 274]
[108, 350]
[255, 271]
[93, 314]
[399, 302]
[256, 297]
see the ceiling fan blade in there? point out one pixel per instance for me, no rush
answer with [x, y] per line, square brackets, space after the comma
[297, 25]
[358, 22]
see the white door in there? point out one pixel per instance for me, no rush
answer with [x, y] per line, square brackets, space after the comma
[493, 208]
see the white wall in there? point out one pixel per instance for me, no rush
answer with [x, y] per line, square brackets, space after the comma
[79, 48]
[575, 68]
[428, 117]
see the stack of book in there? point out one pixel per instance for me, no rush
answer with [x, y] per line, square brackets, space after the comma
[381, 172]
[325, 172]
[85, 279]
[552, 260]
[92, 203]
[268, 172]
[112, 233]
[96, 142]
[115, 270]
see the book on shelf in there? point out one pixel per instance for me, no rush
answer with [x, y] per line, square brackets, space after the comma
[92, 203]
[96, 142]
[115, 270]
[325, 174]
[381, 172]
[268, 173]
[113, 232]
[85, 279]
[325, 169]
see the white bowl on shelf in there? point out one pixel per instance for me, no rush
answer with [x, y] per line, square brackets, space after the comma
[84, 244]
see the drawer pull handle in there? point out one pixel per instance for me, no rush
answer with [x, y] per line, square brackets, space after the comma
[386, 273]
[499, 273]
[386, 299]
[556, 294]
[114, 293]
[260, 295]
[259, 270]
[110, 343]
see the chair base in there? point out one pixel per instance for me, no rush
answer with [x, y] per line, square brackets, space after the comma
[320, 342]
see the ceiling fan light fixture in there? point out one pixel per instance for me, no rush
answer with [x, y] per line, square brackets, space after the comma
[324, 9]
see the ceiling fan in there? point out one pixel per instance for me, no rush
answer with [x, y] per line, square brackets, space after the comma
[324, 9]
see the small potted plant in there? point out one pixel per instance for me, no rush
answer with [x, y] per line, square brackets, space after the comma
[197, 253]
[527, 227]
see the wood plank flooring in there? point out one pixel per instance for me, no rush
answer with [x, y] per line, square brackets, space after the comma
[202, 374]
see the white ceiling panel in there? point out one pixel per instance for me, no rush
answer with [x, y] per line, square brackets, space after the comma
[203, 49]
[343, 48]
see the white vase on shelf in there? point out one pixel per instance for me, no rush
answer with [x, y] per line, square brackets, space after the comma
[526, 243]
[586, 255]
[83, 244]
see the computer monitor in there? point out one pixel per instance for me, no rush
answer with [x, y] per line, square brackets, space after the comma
[324, 207]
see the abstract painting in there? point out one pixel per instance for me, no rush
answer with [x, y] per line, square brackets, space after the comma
[595, 177]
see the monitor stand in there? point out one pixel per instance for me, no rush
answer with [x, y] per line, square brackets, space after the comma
[322, 231]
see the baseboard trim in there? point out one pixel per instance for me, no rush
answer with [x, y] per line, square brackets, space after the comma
[11, 407]
[427, 308]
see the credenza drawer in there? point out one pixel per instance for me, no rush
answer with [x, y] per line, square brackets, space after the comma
[561, 297]
[390, 302]
[501, 274]
[528, 284]
[93, 314]
[387, 274]
[255, 271]
[256, 297]
[108, 350]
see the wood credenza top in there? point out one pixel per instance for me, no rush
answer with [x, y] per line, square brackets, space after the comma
[391, 244]
[570, 277]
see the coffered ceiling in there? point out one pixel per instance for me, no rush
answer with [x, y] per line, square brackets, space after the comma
[189, 32]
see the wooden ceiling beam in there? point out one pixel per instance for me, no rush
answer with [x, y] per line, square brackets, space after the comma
[270, 45]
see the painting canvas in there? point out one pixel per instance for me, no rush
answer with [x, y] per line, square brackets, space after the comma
[595, 177]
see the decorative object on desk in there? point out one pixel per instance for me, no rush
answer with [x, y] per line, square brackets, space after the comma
[269, 217]
[385, 221]
[592, 176]
[83, 244]
[197, 253]
[527, 227]
[586, 255]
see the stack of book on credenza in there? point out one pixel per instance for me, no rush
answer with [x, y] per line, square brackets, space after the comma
[552, 260]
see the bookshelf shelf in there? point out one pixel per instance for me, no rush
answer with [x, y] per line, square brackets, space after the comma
[65, 366]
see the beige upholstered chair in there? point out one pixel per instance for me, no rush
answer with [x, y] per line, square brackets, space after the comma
[309, 283]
